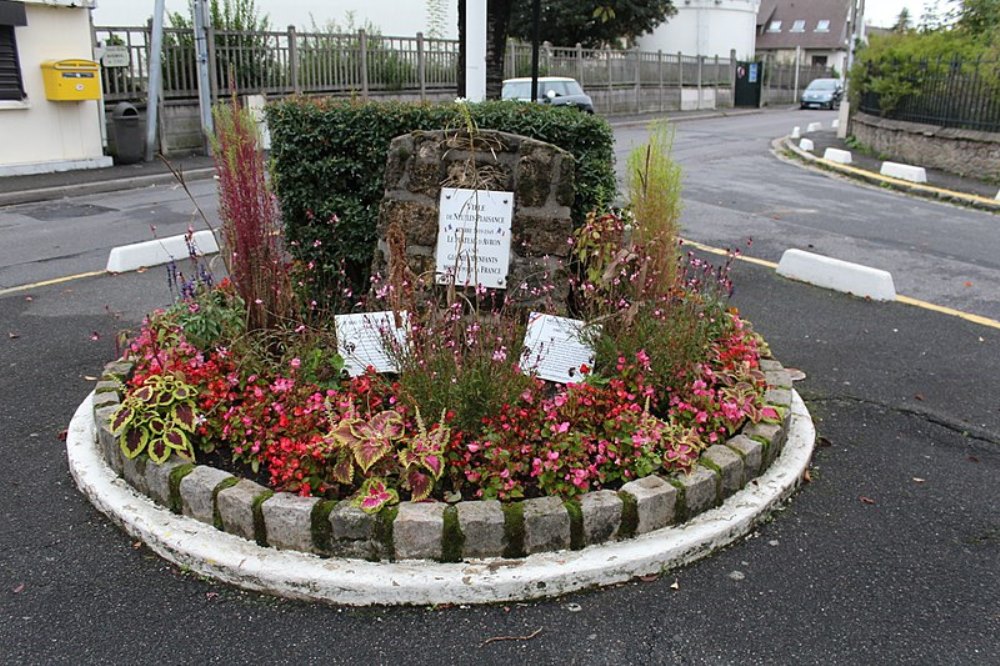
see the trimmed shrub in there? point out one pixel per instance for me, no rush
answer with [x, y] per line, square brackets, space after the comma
[329, 159]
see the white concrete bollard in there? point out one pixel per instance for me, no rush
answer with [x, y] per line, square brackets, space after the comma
[837, 155]
[998, 195]
[160, 251]
[914, 174]
[838, 275]
[807, 144]
[796, 132]
[814, 127]
[835, 123]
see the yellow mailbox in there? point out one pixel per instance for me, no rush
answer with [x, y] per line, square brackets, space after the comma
[71, 80]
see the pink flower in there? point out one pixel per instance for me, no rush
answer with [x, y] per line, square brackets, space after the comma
[295, 363]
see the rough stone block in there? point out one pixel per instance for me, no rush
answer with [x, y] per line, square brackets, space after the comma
[107, 386]
[482, 525]
[108, 443]
[236, 508]
[602, 516]
[288, 521]
[134, 472]
[778, 397]
[656, 501]
[701, 490]
[354, 533]
[769, 434]
[769, 364]
[546, 525]
[418, 529]
[778, 379]
[197, 492]
[418, 220]
[543, 233]
[730, 467]
[752, 453]
[106, 399]
[120, 370]
[158, 479]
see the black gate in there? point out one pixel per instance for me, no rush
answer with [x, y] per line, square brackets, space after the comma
[749, 76]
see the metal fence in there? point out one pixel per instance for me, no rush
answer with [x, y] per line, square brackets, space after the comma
[281, 63]
[947, 93]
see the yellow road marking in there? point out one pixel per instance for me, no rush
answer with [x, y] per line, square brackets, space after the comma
[48, 283]
[906, 300]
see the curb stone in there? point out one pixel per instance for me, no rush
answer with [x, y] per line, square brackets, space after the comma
[473, 529]
[234, 560]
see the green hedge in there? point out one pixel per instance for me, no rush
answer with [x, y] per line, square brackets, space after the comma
[329, 156]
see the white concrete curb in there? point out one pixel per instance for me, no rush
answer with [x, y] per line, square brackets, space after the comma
[210, 552]
[796, 132]
[914, 174]
[159, 251]
[838, 275]
[807, 144]
[813, 127]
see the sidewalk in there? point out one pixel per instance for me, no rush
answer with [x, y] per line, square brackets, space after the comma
[865, 166]
[45, 187]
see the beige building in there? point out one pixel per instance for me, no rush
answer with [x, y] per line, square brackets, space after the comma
[48, 122]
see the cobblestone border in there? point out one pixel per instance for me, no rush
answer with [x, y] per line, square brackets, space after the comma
[441, 532]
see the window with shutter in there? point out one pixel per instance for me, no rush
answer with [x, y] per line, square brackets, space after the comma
[11, 88]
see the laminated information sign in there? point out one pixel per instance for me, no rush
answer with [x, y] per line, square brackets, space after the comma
[362, 338]
[554, 348]
[473, 242]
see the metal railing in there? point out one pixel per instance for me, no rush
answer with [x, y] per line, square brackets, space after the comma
[948, 93]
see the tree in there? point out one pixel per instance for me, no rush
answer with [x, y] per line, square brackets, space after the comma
[903, 22]
[979, 17]
[930, 18]
[592, 23]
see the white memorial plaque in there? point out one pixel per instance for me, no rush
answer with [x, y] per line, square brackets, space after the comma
[115, 55]
[555, 349]
[473, 243]
[361, 340]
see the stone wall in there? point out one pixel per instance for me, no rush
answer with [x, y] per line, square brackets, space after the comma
[959, 151]
[540, 175]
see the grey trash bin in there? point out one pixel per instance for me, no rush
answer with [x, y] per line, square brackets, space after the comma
[130, 136]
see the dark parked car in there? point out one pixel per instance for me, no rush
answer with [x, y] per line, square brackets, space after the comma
[822, 94]
[554, 90]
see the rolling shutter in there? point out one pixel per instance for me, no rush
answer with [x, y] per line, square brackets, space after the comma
[10, 70]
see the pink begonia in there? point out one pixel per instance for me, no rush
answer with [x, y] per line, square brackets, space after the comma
[295, 363]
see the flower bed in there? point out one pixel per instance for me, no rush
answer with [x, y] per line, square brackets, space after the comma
[446, 531]
[454, 446]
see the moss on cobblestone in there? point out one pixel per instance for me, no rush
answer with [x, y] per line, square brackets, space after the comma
[452, 539]
[259, 528]
[513, 529]
[322, 531]
[630, 516]
[383, 531]
[176, 475]
[216, 516]
[576, 538]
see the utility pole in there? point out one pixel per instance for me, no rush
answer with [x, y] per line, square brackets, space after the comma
[155, 78]
[201, 23]
[475, 50]
[536, 17]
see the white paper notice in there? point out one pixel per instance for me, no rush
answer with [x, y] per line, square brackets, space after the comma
[361, 340]
[554, 348]
[473, 243]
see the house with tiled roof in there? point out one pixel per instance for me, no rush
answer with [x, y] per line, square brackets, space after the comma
[820, 29]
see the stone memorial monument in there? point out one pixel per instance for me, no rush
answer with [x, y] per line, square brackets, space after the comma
[488, 208]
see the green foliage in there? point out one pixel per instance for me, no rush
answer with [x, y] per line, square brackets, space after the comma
[157, 418]
[897, 65]
[592, 23]
[653, 182]
[211, 316]
[329, 158]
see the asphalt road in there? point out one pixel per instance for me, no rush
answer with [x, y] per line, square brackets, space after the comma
[905, 401]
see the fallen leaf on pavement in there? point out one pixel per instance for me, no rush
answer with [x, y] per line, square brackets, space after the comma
[62, 435]
[211, 595]
[973, 459]
[917, 479]
[136, 545]
[968, 284]
[806, 476]
[649, 579]
[18, 589]
[823, 441]
[90, 378]
[494, 639]
[919, 396]
[28, 298]
[141, 269]
[795, 374]
[866, 500]
[13, 336]
[95, 336]
[675, 585]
